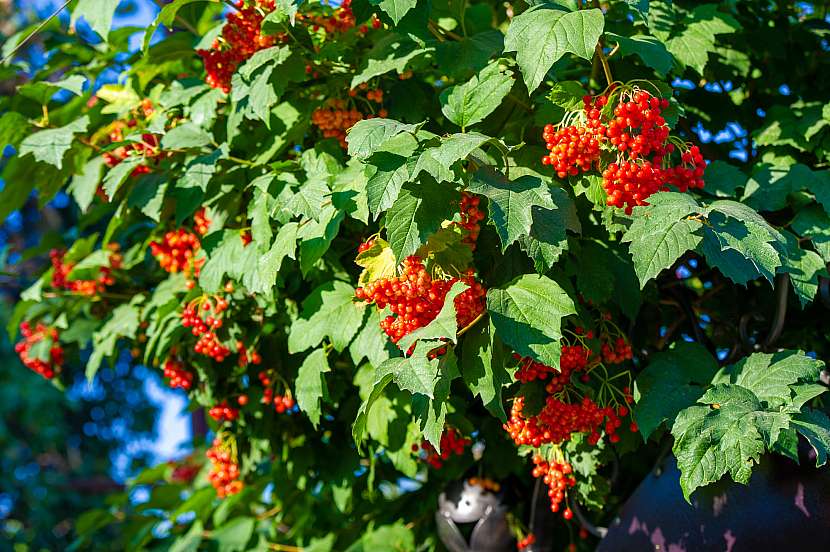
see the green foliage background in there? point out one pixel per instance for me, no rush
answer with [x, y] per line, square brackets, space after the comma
[340, 475]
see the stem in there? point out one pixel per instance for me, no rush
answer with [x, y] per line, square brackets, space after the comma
[34, 32]
[604, 61]
[464, 330]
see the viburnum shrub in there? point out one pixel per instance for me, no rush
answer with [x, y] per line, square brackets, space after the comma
[369, 240]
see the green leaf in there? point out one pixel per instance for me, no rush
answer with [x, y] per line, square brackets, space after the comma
[190, 541]
[123, 323]
[452, 149]
[200, 170]
[166, 17]
[431, 413]
[148, 195]
[513, 204]
[316, 237]
[469, 103]
[443, 327]
[225, 258]
[803, 266]
[309, 197]
[548, 237]
[284, 245]
[813, 223]
[359, 427]
[769, 376]
[387, 538]
[370, 342]
[660, 234]
[116, 176]
[98, 13]
[527, 314]
[484, 371]
[14, 127]
[310, 386]
[660, 249]
[709, 442]
[42, 91]
[567, 95]
[275, 55]
[368, 136]
[415, 373]
[723, 179]
[50, 145]
[815, 426]
[649, 49]
[330, 311]
[752, 243]
[395, 9]
[544, 33]
[459, 59]
[672, 381]
[234, 535]
[186, 136]
[753, 405]
[418, 213]
[692, 46]
[447, 250]
[84, 185]
[378, 261]
[393, 54]
[385, 183]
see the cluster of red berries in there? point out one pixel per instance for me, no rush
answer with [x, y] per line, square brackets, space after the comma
[201, 221]
[240, 39]
[638, 135]
[452, 443]
[49, 362]
[244, 356]
[574, 358]
[521, 544]
[576, 148]
[415, 298]
[224, 472]
[89, 288]
[176, 252]
[147, 147]
[340, 21]
[335, 117]
[208, 342]
[222, 412]
[558, 477]
[485, 483]
[471, 216]
[558, 420]
[184, 472]
[282, 403]
[177, 375]
[617, 352]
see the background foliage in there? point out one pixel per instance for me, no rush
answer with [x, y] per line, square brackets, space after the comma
[246, 155]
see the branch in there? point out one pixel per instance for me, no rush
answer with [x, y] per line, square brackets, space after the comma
[34, 32]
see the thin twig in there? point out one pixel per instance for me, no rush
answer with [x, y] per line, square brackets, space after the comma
[33, 33]
[605, 67]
